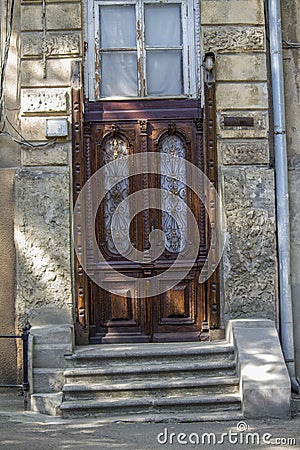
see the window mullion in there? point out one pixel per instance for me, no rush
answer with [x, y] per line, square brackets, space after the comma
[186, 49]
[140, 48]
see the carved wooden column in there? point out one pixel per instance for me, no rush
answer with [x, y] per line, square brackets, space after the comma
[81, 321]
[212, 173]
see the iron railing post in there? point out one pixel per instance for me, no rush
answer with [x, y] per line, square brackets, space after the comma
[25, 337]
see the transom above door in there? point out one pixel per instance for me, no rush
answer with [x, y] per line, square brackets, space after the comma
[139, 48]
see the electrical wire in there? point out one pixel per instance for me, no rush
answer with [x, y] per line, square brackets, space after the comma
[288, 44]
[9, 24]
[4, 120]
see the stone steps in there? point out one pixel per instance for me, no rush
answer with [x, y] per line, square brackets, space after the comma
[156, 388]
[149, 353]
[154, 372]
[152, 381]
[180, 404]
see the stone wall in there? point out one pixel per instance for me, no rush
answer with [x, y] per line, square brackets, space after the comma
[291, 57]
[50, 42]
[235, 32]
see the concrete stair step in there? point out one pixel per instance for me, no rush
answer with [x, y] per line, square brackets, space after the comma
[47, 403]
[50, 355]
[52, 334]
[183, 404]
[154, 371]
[165, 418]
[47, 380]
[152, 388]
[154, 353]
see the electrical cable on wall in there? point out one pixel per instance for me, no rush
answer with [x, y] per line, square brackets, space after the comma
[288, 44]
[4, 120]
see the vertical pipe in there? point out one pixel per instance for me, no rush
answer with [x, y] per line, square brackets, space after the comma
[282, 193]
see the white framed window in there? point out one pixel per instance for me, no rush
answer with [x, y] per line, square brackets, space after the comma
[142, 49]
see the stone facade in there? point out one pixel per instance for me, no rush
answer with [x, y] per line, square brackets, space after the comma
[41, 77]
[291, 58]
[235, 32]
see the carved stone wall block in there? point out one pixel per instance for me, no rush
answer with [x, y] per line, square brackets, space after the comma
[259, 129]
[42, 235]
[233, 39]
[249, 260]
[63, 44]
[44, 100]
[56, 155]
[244, 152]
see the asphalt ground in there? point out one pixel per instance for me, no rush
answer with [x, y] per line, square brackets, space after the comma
[27, 430]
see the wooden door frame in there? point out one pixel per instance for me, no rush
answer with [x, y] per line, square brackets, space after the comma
[81, 173]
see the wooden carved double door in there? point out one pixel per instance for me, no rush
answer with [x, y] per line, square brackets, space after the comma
[114, 130]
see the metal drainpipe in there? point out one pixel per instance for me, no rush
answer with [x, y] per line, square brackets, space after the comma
[282, 193]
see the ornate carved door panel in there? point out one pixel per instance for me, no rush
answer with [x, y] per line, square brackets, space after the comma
[113, 130]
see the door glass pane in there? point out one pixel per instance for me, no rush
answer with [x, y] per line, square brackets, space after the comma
[116, 230]
[164, 72]
[117, 27]
[119, 74]
[174, 213]
[163, 25]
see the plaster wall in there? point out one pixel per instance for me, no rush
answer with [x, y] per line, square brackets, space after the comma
[9, 161]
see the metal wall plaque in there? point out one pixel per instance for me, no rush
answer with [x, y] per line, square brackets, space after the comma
[238, 122]
[56, 127]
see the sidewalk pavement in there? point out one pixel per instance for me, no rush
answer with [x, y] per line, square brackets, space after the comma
[27, 430]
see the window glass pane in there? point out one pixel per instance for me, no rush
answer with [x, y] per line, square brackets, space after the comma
[164, 75]
[119, 74]
[116, 226]
[174, 211]
[162, 25]
[117, 27]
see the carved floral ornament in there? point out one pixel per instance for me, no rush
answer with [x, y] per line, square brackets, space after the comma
[233, 39]
[55, 44]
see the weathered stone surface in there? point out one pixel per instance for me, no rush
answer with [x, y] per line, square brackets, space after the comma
[63, 16]
[264, 380]
[44, 100]
[58, 73]
[42, 237]
[294, 187]
[56, 155]
[34, 128]
[291, 63]
[63, 44]
[31, 17]
[233, 11]
[242, 67]
[8, 350]
[259, 130]
[242, 95]
[244, 152]
[233, 39]
[249, 260]
[10, 155]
